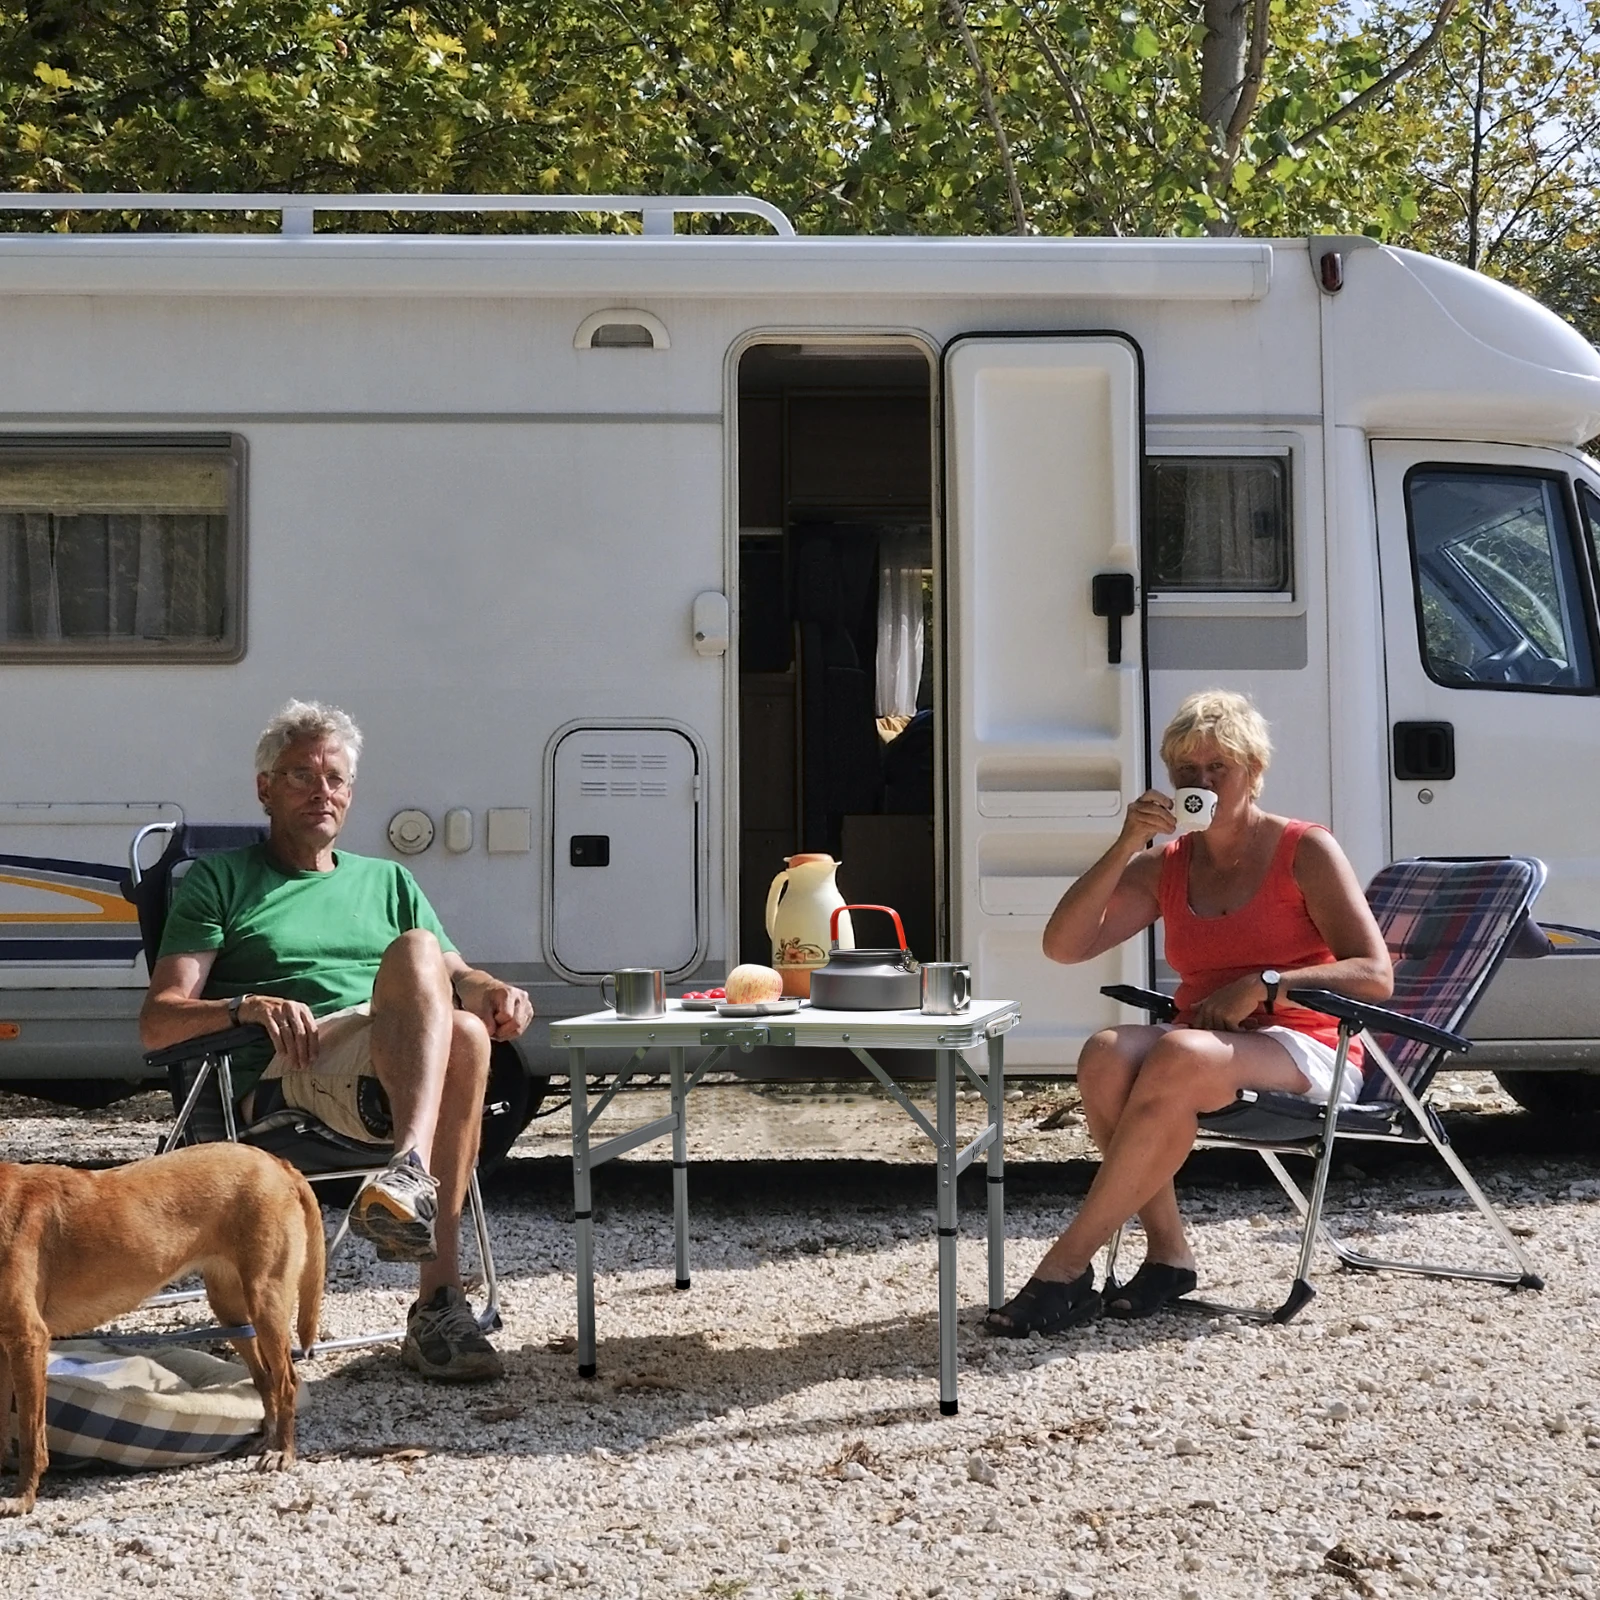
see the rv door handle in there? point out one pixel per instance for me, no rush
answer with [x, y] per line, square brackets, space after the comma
[1424, 751]
[1112, 596]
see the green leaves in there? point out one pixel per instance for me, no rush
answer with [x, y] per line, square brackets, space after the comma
[858, 117]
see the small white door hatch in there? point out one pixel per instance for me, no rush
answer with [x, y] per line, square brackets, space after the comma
[625, 827]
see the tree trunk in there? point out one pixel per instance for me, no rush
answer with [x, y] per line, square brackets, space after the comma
[1223, 54]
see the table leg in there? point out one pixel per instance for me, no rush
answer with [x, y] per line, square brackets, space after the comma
[582, 1211]
[946, 1091]
[680, 1168]
[997, 1169]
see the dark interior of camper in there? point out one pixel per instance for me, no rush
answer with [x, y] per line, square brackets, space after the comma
[836, 629]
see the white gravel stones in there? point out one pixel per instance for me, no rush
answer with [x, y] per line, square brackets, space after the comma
[774, 1432]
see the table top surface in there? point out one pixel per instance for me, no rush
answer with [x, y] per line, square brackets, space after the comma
[908, 1030]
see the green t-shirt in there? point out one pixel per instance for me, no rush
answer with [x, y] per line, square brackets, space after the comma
[316, 937]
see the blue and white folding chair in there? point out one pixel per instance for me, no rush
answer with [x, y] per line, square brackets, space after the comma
[1448, 923]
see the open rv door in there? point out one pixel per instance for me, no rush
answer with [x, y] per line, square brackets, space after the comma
[1047, 738]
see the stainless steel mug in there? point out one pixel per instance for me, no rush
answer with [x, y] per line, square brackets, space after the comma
[638, 992]
[946, 988]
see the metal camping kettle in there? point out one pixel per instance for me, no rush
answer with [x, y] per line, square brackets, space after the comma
[867, 980]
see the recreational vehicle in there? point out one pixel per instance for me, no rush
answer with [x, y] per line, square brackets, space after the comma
[647, 559]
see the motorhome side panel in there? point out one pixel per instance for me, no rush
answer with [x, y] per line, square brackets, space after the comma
[464, 584]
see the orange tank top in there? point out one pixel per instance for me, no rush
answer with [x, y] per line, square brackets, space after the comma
[1272, 929]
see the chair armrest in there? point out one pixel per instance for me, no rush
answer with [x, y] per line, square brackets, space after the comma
[1160, 1006]
[1378, 1018]
[207, 1044]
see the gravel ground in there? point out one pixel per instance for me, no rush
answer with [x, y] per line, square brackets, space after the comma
[774, 1432]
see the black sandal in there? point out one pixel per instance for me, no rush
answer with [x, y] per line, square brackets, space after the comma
[1046, 1305]
[1151, 1289]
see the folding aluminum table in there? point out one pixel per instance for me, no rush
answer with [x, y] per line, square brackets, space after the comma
[861, 1032]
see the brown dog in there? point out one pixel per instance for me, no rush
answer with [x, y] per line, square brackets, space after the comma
[79, 1247]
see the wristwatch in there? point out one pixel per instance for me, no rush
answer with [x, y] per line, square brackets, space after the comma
[1272, 978]
[233, 1009]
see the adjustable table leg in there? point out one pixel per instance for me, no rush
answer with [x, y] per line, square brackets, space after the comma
[582, 1212]
[997, 1168]
[680, 1168]
[946, 1091]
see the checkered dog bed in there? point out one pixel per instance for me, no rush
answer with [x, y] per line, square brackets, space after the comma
[162, 1407]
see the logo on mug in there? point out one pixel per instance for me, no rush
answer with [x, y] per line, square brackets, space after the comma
[1193, 804]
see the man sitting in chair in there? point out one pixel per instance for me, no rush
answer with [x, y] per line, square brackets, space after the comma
[374, 1023]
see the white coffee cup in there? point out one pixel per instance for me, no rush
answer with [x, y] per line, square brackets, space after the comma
[1194, 809]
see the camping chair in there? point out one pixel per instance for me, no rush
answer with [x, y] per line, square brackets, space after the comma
[1448, 923]
[199, 1072]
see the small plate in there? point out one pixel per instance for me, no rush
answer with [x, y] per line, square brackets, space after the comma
[699, 1005]
[758, 1008]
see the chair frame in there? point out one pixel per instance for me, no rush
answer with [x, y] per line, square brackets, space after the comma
[214, 1052]
[1405, 1120]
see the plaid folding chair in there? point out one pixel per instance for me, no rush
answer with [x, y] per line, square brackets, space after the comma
[1448, 923]
[199, 1072]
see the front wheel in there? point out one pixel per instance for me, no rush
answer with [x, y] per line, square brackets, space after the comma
[1554, 1094]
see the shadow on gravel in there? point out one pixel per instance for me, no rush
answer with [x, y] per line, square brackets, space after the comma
[670, 1392]
[775, 1184]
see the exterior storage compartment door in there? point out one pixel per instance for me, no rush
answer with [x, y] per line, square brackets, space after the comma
[625, 877]
[1044, 442]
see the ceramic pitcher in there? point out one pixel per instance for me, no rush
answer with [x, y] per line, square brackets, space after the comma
[800, 907]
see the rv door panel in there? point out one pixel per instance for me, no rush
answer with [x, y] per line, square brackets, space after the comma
[1494, 718]
[1043, 451]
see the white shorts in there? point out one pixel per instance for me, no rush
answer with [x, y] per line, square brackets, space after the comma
[1316, 1060]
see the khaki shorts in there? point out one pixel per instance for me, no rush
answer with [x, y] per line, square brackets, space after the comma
[340, 1089]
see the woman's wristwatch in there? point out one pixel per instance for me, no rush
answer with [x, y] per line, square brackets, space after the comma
[1270, 980]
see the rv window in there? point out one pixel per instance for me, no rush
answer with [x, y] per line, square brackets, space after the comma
[119, 550]
[1219, 524]
[1497, 587]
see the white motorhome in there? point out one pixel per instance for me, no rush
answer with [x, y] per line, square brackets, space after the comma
[647, 560]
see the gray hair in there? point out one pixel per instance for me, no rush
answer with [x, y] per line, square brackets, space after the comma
[307, 719]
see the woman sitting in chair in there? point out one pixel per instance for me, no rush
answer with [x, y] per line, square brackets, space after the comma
[1252, 906]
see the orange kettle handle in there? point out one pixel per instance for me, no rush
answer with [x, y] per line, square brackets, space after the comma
[839, 911]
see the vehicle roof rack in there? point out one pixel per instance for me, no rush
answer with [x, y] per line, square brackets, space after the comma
[658, 213]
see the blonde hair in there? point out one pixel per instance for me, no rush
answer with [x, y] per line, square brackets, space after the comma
[1229, 721]
[307, 719]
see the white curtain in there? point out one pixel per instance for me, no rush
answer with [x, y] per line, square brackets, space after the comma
[111, 576]
[902, 562]
[1220, 524]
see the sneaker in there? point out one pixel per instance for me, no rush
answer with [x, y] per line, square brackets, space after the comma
[443, 1340]
[396, 1209]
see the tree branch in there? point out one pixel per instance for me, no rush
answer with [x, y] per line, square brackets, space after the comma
[1250, 89]
[1407, 63]
[1075, 100]
[955, 12]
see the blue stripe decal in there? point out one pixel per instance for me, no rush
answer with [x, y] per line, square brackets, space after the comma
[33, 952]
[76, 869]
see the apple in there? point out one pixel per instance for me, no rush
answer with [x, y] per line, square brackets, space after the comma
[750, 984]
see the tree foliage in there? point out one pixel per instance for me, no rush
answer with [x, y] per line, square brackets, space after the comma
[881, 116]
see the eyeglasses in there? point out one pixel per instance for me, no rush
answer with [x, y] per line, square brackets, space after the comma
[305, 779]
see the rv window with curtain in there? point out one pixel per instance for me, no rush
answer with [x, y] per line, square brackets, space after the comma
[120, 550]
[1218, 524]
[1499, 604]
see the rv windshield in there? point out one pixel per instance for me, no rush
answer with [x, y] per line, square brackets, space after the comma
[1498, 594]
